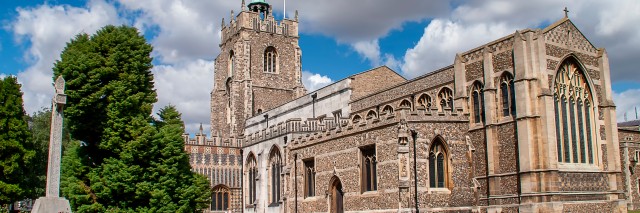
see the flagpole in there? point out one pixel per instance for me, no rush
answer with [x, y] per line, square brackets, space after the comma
[285, 9]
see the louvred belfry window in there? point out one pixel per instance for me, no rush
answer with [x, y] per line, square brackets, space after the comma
[270, 60]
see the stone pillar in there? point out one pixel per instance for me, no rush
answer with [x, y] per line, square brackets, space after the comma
[52, 203]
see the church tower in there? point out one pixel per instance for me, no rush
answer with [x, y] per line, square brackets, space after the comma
[258, 68]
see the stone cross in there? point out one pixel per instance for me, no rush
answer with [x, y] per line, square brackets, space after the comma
[566, 12]
[55, 139]
[52, 202]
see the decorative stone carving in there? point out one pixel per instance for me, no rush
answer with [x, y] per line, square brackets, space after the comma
[403, 132]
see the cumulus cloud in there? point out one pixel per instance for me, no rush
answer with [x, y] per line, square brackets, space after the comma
[186, 86]
[626, 103]
[473, 23]
[442, 39]
[370, 51]
[45, 29]
[314, 81]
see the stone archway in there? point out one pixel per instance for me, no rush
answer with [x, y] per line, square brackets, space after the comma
[337, 196]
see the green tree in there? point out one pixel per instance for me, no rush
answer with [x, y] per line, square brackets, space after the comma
[126, 161]
[15, 151]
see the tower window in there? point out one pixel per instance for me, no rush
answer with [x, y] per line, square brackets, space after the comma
[270, 60]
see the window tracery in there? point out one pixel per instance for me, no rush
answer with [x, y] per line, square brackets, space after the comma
[507, 92]
[270, 60]
[573, 114]
[438, 165]
[425, 101]
[477, 98]
[445, 99]
[276, 168]
[220, 198]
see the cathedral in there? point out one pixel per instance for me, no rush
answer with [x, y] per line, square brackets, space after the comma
[525, 123]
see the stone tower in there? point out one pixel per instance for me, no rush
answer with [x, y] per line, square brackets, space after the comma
[258, 68]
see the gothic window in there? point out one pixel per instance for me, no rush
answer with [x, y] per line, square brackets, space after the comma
[309, 178]
[232, 64]
[275, 161]
[438, 165]
[445, 99]
[270, 60]
[405, 104]
[388, 110]
[220, 198]
[356, 119]
[573, 114]
[477, 97]
[371, 115]
[425, 101]
[507, 95]
[368, 173]
[252, 170]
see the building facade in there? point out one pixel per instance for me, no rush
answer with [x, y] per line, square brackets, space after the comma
[523, 123]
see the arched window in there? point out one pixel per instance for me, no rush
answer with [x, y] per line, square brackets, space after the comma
[368, 173]
[252, 170]
[356, 119]
[276, 168]
[270, 60]
[220, 198]
[388, 110]
[405, 104]
[232, 64]
[477, 97]
[438, 164]
[371, 115]
[425, 101]
[507, 95]
[445, 99]
[573, 114]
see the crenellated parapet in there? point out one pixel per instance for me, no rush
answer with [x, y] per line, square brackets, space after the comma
[251, 21]
[326, 128]
[201, 139]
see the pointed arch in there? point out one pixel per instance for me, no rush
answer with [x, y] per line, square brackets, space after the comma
[507, 94]
[270, 60]
[573, 112]
[388, 110]
[477, 101]
[220, 197]
[439, 163]
[231, 64]
[275, 168]
[425, 101]
[405, 103]
[356, 119]
[252, 174]
[445, 99]
[337, 195]
[372, 114]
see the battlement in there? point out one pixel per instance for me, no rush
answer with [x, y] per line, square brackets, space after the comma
[254, 21]
[202, 140]
[315, 128]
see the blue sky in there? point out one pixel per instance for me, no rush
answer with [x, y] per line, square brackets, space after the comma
[338, 38]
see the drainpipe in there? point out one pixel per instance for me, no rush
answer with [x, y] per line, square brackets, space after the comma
[242, 182]
[414, 135]
[295, 180]
[266, 118]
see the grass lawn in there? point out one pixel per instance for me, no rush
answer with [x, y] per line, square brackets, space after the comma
[634, 211]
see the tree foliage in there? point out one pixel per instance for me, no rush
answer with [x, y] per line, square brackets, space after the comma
[126, 161]
[16, 152]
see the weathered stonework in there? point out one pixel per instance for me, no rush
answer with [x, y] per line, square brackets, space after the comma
[503, 161]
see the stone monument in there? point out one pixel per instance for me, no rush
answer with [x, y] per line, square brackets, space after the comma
[52, 202]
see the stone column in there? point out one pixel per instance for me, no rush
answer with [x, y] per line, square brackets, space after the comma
[52, 203]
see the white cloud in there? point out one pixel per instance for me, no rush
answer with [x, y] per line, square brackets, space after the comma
[315, 81]
[626, 103]
[442, 39]
[473, 23]
[45, 30]
[186, 86]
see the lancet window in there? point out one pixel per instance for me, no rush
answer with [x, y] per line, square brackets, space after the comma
[507, 95]
[438, 165]
[270, 60]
